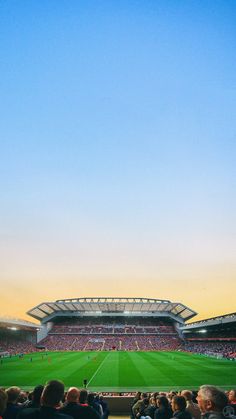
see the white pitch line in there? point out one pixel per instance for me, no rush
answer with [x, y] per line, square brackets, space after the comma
[100, 366]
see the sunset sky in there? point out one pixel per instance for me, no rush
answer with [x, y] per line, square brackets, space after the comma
[117, 152]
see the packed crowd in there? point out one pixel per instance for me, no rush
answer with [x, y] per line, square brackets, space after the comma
[109, 342]
[208, 403]
[113, 322]
[16, 346]
[115, 329]
[52, 402]
[225, 349]
[127, 342]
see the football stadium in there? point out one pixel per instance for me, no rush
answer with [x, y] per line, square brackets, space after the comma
[117, 216]
[118, 345]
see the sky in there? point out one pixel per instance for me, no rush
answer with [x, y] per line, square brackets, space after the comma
[117, 152]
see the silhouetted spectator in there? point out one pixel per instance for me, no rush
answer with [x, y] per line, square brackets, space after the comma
[3, 402]
[12, 408]
[50, 401]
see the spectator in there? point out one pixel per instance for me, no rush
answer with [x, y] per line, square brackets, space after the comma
[12, 408]
[136, 398]
[192, 408]
[163, 410]
[232, 397]
[35, 397]
[50, 401]
[178, 404]
[3, 402]
[76, 405]
[104, 407]
[94, 404]
[139, 405]
[211, 401]
[150, 407]
[71, 406]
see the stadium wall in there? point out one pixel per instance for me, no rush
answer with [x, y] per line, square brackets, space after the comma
[43, 331]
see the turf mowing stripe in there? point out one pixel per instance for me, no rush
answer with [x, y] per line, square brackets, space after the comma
[154, 368]
[100, 366]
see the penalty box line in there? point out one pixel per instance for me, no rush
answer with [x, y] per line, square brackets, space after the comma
[100, 366]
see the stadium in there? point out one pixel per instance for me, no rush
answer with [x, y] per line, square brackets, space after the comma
[118, 345]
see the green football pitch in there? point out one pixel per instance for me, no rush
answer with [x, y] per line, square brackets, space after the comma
[119, 371]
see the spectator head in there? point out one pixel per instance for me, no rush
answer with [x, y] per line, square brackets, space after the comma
[13, 394]
[3, 401]
[171, 394]
[22, 397]
[83, 397]
[73, 395]
[232, 396]
[36, 393]
[144, 395]
[52, 394]
[162, 402]
[178, 403]
[210, 398]
[153, 400]
[188, 395]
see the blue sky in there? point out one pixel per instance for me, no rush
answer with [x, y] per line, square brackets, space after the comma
[118, 148]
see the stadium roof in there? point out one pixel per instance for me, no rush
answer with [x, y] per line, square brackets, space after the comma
[214, 321]
[19, 323]
[105, 306]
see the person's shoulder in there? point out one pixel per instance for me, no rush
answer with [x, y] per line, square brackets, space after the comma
[61, 415]
[92, 413]
[67, 409]
[28, 412]
[12, 408]
[161, 412]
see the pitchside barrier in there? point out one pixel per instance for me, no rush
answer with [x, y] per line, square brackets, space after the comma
[119, 405]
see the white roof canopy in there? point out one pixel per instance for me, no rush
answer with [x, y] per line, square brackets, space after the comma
[104, 306]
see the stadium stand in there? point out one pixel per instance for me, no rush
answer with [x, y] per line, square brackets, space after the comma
[17, 336]
[97, 324]
[214, 336]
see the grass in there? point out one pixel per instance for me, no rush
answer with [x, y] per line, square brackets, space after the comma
[119, 371]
